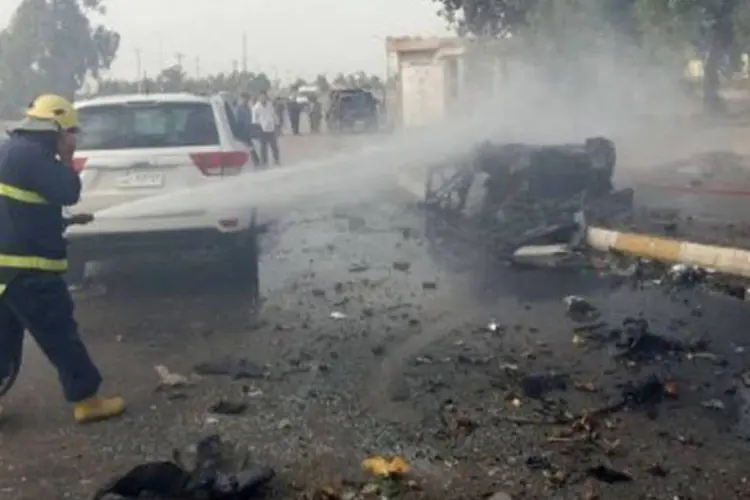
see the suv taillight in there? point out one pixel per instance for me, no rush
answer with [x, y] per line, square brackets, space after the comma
[220, 163]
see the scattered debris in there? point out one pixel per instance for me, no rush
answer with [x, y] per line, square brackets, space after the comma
[284, 424]
[237, 368]
[358, 268]
[676, 278]
[165, 479]
[224, 407]
[549, 256]
[386, 467]
[683, 276]
[402, 266]
[645, 394]
[216, 474]
[608, 475]
[714, 404]
[171, 380]
[537, 386]
[578, 340]
[636, 342]
[389, 476]
[500, 495]
[586, 386]
[538, 462]
[579, 309]
[657, 470]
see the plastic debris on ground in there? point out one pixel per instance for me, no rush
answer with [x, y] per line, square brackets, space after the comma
[386, 467]
[171, 380]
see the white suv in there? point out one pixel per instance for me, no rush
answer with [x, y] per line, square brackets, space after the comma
[136, 146]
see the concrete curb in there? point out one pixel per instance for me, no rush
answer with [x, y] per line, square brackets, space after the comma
[732, 261]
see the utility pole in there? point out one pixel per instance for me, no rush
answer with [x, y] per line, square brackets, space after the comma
[234, 66]
[244, 52]
[138, 67]
[197, 66]
[161, 53]
[179, 56]
[142, 87]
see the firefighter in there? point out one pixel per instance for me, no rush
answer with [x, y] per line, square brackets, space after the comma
[37, 179]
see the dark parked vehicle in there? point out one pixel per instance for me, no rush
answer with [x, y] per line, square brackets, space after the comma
[352, 110]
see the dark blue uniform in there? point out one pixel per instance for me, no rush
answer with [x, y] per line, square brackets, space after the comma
[34, 186]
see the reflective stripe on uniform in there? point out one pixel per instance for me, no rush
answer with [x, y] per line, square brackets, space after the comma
[22, 195]
[33, 263]
[22, 261]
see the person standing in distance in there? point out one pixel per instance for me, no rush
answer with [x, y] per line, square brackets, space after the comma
[243, 116]
[265, 117]
[37, 180]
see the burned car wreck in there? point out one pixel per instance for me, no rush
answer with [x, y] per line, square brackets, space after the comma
[521, 202]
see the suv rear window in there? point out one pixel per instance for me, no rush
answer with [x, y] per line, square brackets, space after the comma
[147, 125]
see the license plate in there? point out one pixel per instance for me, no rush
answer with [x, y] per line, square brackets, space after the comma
[141, 180]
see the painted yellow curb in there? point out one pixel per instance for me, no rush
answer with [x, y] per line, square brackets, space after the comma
[733, 261]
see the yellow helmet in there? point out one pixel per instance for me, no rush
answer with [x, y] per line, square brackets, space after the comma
[54, 108]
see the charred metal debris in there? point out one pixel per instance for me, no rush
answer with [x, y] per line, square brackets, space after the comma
[218, 472]
[524, 202]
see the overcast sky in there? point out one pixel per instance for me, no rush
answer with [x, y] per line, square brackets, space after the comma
[284, 37]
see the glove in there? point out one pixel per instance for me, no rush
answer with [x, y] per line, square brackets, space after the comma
[79, 219]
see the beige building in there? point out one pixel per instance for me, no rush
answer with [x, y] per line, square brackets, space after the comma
[428, 77]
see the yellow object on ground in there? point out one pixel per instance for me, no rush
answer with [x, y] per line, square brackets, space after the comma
[98, 408]
[385, 467]
[732, 261]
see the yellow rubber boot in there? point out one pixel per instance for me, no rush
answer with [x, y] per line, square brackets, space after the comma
[98, 408]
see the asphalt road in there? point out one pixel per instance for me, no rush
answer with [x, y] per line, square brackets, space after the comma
[409, 351]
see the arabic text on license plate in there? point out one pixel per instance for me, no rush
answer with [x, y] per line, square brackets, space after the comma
[141, 179]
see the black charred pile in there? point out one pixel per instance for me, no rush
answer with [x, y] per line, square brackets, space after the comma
[504, 196]
[218, 472]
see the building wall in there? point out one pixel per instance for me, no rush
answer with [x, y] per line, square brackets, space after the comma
[440, 77]
[422, 88]
[418, 95]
